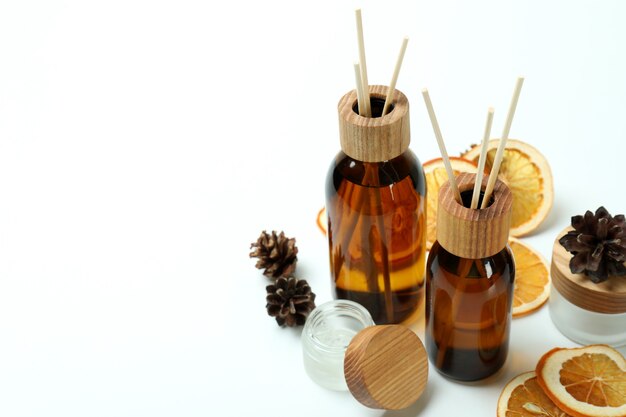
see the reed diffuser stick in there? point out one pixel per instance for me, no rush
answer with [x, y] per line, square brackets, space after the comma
[442, 146]
[353, 218]
[482, 160]
[380, 224]
[493, 176]
[394, 78]
[359, 87]
[364, 81]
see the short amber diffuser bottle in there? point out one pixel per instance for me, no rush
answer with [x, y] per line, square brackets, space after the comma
[469, 284]
[375, 202]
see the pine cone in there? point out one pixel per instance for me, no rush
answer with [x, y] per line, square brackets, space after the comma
[598, 244]
[277, 254]
[290, 300]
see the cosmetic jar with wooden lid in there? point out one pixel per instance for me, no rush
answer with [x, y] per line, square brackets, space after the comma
[586, 312]
[383, 366]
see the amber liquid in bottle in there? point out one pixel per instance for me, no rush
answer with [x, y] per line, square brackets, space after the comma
[468, 312]
[376, 234]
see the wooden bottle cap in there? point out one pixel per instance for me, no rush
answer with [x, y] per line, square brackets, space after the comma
[374, 139]
[478, 233]
[386, 367]
[608, 297]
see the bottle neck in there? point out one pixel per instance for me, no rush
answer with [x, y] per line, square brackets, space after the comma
[374, 139]
[473, 233]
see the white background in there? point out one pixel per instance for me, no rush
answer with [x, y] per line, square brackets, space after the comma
[145, 144]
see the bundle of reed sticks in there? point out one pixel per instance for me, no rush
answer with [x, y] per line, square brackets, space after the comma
[493, 175]
[360, 73]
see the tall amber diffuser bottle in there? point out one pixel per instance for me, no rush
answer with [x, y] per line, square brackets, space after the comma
[469, 284]
[375, 202]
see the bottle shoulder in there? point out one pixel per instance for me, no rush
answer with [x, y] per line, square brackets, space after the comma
[502, 263]
[388, 172]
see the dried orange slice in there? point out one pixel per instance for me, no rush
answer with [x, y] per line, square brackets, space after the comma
[532, 279]
[585, 382]
[322, 220]
[436, 176]
[523, 397]
[528, 175]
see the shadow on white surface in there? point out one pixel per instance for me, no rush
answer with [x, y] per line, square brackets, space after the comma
[557, 217]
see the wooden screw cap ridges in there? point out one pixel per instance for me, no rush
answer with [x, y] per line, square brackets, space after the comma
[386, 367]
[473, 234]
[374, 139]
[608, 297]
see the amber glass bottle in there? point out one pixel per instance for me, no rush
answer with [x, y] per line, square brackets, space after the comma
[375, 202]
[469, 285]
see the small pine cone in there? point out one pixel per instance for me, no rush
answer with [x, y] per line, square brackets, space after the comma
[276, 254]
[598, 243]
[290, 300]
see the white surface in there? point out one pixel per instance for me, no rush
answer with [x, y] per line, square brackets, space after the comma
[144, 145]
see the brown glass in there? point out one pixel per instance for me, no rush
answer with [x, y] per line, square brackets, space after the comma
[376, 234]
[468, 312]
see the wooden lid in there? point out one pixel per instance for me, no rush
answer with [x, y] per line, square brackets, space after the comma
[374, 139]
[473, 234]
[386, 367]
[607, 297]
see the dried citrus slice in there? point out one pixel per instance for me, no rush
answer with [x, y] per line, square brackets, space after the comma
[532, 279]
[321, 220]
[528, 175]
[436, 176]
[585, 382]
[523, 397]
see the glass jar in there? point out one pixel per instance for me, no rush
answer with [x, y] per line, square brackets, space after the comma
[469, 284]
[375, 203]
[584, 326]
[326, 335]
